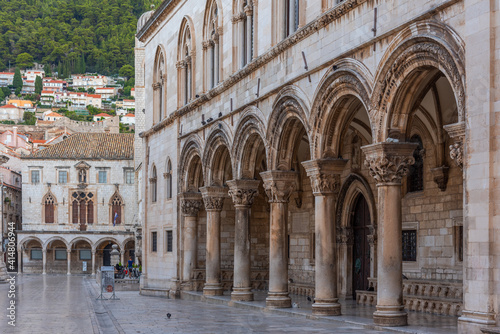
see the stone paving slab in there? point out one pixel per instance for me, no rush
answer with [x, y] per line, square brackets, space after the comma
[67, 304]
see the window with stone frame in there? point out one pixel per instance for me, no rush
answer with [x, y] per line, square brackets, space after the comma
[129, 176]
[185, 64]
[63, 177]
[60, 254]
[213, 50]
[90, 212]
[74, 217]
[154, 242]
[85, 254]
[116, 209]
[169, 239]
[49, 209]
[36, 254]
[459, 242]
[103, 176]
[410, 245]
[291, 16]
[159, 86]
[35, 176]
[416, 171]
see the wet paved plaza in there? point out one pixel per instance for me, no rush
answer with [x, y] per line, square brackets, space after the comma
[67, 304]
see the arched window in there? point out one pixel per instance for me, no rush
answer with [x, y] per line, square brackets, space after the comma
[168, 177]
[153, 182]
[116, 204]
[90, 212]
[244, 31]
[416, 171]
[159, 86]
[74, 217]
[49, 206]
[185, 64]
[212, 45]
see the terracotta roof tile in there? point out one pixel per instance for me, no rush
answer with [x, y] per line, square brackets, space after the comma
[90, 146]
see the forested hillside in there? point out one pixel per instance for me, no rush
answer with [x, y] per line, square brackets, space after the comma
[97, 35]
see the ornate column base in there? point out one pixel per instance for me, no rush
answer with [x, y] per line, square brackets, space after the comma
[474, 321]
[390, 316]
[278, 300]
[326, 307]
[212, 289]
[242, 295]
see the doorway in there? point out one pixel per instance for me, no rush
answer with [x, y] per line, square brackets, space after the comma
[361, 247]
[106, 255]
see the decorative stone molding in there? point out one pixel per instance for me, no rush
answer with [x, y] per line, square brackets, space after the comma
[205, 45]
[456, 153]
[243, 192]
[156, 85]
[191, 203]
[457, 133]
[345, 235]
[152, 179]
[248, 10]
[180, 64]
[213, 197]
[388, 162]
[325, 175]
[440, 175]
[279, 185]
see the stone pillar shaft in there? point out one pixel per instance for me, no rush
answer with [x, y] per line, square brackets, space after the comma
[325, 181]
[69, 262]
[93, 263]
[242, 193]
[388, 164]
[191, 204]
[216, 62]
[279, 186]
[44, 261]
[213, 198]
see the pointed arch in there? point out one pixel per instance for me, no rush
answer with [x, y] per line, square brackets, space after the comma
[191, 169]
[116, 209]
[342, 91]
[186, 60]
[417, 53]
[249, 135]
[159, 84]
[212, 43]
[287, 123]
[49, 208]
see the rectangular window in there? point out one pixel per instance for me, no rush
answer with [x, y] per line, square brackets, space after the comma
[103, 176]
[459, 242]
[36, 254]
[154, 242]
[63, 177]
[170, 241]
[129, 176]
[35, 176]
[85, 254]
[410, 245]
[61, 254]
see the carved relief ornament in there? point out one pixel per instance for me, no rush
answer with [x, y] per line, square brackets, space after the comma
[190, 207]
[279, 185]
[213, 197]
[243, 192]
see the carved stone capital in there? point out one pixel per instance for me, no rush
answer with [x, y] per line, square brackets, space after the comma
[152, 179]
[205, 44]
[191, 203]
[457, 133]
[248, 10]
[213, 197]
[388, 162]
[440, 175]
[279, 185]
[243, 192]
[180, 64]
[325, 175]
[345, 235]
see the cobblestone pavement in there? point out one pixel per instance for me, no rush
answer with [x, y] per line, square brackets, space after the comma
[61, 304]
[67, 304]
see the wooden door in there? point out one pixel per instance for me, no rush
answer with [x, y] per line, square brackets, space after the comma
[361, 247]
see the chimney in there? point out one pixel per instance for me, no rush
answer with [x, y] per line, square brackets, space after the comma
[15, 137]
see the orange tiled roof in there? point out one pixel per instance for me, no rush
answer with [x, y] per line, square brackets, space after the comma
[8, 106]
[129, 115]
[103, 115]
[90, 146]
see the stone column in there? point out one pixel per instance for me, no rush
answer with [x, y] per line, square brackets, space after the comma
[388, 164]
[243, 193]
[279, 186]
[213, 197]
[191, 203]
[69, 261]
[249, 12]
[122, 257]
[93, 262]
[20, 261]
[44, 262]
[216, 59]
[325, 181]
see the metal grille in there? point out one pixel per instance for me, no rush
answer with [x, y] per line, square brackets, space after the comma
[410, 245]
[154, 245]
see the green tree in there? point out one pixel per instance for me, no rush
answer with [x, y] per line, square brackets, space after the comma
[127, 71]
[6, 91]
[47, 70]
[29, 118]
[2, 95]
[38, 85]
[24, 60]
[59, 70]
[91, 90]
[2, 65]
[18, 80]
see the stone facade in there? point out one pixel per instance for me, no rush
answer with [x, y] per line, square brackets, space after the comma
[91, 202]
[380, 86]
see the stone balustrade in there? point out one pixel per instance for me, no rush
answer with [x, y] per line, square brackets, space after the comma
[444, 298]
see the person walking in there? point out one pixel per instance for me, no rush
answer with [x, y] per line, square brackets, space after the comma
[130, 263]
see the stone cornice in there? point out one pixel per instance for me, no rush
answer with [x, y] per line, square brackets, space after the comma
[302, 33]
